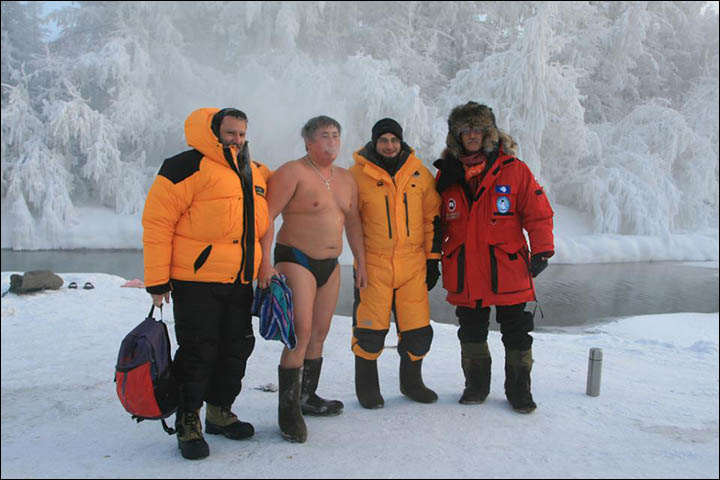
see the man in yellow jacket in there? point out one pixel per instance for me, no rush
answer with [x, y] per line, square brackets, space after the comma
[203, 218]
[399, 208]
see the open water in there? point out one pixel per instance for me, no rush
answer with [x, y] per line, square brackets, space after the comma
[569, 295]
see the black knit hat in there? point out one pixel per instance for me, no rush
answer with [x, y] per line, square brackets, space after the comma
[386, 125]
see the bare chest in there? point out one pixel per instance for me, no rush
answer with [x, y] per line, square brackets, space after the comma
[315, 195]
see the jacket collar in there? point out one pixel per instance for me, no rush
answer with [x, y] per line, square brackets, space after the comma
[373, 166]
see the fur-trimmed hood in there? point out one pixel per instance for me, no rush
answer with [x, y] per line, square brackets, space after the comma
[452, 170]
[475, 115]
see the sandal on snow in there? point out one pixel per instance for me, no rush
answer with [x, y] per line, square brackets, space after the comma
[72, 285]
[88, 286]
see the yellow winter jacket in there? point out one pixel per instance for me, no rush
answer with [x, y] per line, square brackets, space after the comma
[203, 218]
[397, 215]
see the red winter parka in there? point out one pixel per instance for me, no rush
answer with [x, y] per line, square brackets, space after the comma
[484, 253]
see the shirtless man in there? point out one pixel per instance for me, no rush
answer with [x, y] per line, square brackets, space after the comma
[317, 199]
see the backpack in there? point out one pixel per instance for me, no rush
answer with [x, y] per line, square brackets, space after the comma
[33, 282]
[144, 380]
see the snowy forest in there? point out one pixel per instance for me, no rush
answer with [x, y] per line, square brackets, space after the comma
[614, 104]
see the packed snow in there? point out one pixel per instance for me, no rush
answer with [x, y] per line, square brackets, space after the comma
[656, 415]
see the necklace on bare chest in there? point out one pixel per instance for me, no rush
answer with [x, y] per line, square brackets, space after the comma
[325, 180]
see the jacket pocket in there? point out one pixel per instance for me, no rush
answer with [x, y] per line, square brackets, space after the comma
[202, 258]
[453, 270]
[509, 269]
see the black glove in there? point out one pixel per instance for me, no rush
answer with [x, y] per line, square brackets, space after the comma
[433, 273]
[539, 262]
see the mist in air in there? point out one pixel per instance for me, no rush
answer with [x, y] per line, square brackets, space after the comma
[614, 104]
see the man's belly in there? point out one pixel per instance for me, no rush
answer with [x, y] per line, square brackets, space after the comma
[318, 236]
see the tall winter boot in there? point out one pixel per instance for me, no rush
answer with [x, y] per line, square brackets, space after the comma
[219, 419]
[476, 363]
[290, 419]
[411, 382]
[518, 364]
[190, 439]
[367, 384]
[310, 403]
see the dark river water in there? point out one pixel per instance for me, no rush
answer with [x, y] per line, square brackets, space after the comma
[569, 295]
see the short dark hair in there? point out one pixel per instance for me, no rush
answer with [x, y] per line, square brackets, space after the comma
[316, 123]
[225, 112]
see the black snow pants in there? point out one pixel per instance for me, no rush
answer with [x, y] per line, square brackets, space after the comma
[515, 325]
[215, 338]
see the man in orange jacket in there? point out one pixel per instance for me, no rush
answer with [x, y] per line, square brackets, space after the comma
[399, 208]
[488, 198]
[202, 222]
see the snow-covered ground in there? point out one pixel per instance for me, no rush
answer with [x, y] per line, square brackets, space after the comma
[656, 416]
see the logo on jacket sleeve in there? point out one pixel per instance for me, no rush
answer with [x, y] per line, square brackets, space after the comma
[451, 207]
[502, 188]
[260, 190]
[503, 204]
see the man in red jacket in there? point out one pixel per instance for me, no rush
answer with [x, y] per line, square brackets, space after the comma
[489, 198]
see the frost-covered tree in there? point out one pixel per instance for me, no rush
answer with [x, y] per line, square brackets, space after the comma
[614, 104]
[22, 33]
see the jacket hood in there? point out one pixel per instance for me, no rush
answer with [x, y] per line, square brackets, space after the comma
[475, 115]
[199, 135]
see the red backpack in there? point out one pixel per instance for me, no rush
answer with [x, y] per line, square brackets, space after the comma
[143, 374]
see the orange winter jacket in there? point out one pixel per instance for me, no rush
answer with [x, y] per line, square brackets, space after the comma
[398, 213]
[205, 212]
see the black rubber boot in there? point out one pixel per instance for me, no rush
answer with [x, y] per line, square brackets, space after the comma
[310, 403]
[190, 439]
[411, 382]
[367, 384]
[518, 364]
[476, 365]
[221, 420]
[290, 419]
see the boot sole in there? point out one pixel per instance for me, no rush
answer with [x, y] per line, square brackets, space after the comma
[197, 456]
[324, 414]
[419, 400]
[525, 410]
[372, 406]
[292, 439]
[213, 429]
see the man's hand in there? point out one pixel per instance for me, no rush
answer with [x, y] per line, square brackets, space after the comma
[432, 274]
[539, 262]
[265, 274]
[360, 277]
[158, 299]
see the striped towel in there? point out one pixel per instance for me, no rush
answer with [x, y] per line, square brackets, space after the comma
[274, 307]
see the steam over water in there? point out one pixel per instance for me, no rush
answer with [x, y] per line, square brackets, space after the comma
[569, 294]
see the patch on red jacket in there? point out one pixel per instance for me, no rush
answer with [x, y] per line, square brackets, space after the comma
[451, 207]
